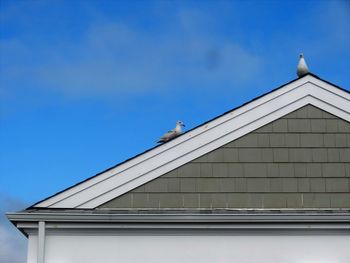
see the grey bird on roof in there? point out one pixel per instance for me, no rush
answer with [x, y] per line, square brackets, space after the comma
[302, 68]
[172, 133]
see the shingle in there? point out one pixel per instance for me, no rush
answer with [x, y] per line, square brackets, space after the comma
[171, 200]
[235, 170]
[145, 200]
[329, 140]
[340, 200]
[250, 140]
[292, 139]
[302, 112]
[317, 185]
[191, 200]
[141, 200]
[293, 200]
[249, 155]
[227, 185]
[340, 140]
[290, 184]
[219, 200]
[205, 201]
[347, 169]
[173, 184]
[266, 154]
[272, 170]
[314, 170]
[255, 170]
[300, 170]
[202, 159]
[265, 128]
[123, 201]
[171, 174]
[204, 185]
[299, 125]
[220, 169]
[157, 185]
[216, 156]
[240, 184]
[333, 170]
[311, 140]
[319, 155]
[255, 200]
[286, 170]
[188, 185]
[206, 170]
[276, 185]
[327, 115]
[333, 155]
[280, 155]
[321, 200]
[331, 125]
[314, 112]
[345, 155]
[140, 189]
[337, 185]
[263, 140]
[300, 155]
[277, 140]
[153, 200]
[256, 185]
[238, 200]
[343, 126]
[280, 125]
[303, 185]
[274, 201]
[292, 115]
[318, 125]
[189, 170]
[230, 155]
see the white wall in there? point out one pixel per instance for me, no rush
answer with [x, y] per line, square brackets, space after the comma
[169, 249]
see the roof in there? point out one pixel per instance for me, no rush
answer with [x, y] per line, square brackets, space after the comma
[202, 139]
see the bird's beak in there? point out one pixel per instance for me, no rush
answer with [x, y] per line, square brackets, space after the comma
[183, 125]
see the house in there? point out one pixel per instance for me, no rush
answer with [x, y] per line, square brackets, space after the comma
[265, 182]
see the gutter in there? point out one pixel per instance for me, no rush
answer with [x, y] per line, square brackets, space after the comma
[180, 217]
[265, 223]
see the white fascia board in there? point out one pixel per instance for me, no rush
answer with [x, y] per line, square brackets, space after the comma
[208, 137]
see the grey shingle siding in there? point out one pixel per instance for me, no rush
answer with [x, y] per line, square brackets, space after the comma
[299, 161]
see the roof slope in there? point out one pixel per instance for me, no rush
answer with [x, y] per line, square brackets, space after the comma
[203, 139]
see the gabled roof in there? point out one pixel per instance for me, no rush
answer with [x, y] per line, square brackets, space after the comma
[208, 136]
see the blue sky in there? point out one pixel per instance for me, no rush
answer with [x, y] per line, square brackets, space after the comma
[85, 85]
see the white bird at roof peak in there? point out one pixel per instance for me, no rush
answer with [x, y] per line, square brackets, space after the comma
[302, 68]
[172, 133]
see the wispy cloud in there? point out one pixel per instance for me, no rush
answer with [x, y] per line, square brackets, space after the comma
[12, 243]
[216, 47]
[116, 58]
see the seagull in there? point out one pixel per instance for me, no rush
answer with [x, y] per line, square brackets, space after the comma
[172, 133]
[302, 68]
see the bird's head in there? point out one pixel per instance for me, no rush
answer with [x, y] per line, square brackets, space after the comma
[180, 123]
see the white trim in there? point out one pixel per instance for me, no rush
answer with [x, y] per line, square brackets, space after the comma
[152, 164]
[41, 241]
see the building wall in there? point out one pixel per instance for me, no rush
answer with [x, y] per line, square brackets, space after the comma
[193, 248]
[299, 161]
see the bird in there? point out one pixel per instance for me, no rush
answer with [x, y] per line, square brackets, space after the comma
[172, 133]
[302, 68]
